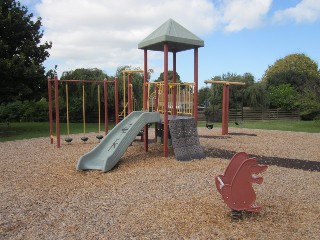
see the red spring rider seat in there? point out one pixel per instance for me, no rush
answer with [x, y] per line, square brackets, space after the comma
[235, 186]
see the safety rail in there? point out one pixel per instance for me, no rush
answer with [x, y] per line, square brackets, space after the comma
[179, 94]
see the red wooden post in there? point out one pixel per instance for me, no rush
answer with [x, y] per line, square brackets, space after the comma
[225, 109]
[105, 96]
[195, 96]
[116, 87]
[56, 96]
[145, 80]
[50, 108]
[174, 92]
[165, 90]
[145, 97]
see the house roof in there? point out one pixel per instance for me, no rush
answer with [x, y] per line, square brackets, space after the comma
[178, 38]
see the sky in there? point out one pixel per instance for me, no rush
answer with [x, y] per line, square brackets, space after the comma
[240, 36]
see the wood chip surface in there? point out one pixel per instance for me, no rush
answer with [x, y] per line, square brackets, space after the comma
[147, 196]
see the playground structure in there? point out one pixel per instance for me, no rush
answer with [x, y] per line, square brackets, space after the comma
[174, 99]
[174, 38]
[169, 37]
[235, 185]
[225, 102]
[54, 83]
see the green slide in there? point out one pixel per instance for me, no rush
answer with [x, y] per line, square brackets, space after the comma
[108, 152]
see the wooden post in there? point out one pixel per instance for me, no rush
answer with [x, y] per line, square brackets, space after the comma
[225, 109]
[195, 95]
[56, 96]
[105, 96]
[174, 92]
[129, 94]
[165, 91]
[156, 109]
[116, 94]
[50, 108]
[145, 97]
[225, 102]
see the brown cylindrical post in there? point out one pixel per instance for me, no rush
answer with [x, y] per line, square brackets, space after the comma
[225, 109]
[105, 96]
[174, 80]
[50, 109]
[145, 97]
[145, 80]
[165, 90]
[116, 88]
[56, 99]
[195, 95]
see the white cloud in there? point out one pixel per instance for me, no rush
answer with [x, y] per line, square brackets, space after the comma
[243, 14]
[305, 11]
[106, 33]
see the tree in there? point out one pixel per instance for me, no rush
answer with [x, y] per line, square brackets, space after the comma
[91, 92]
[309, 103]
[296, 69]
[283, 96]
[256, 96]
[203, 96]
[302, 74]
[252, 94]
[21, 54]
[137, 83]
[170, 77]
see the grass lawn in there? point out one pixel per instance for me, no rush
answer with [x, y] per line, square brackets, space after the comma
[283, 125]
[293, 125]
[27, 130]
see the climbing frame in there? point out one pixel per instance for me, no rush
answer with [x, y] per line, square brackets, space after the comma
[185, 139]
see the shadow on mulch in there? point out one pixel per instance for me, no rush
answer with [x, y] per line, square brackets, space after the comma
[243, 134]
[225, 137]
[277, 161]
[213, 137]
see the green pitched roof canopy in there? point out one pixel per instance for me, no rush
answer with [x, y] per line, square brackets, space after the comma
[178, 38]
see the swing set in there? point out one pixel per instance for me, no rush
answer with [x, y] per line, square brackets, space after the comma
[54, 83]
[225, 103]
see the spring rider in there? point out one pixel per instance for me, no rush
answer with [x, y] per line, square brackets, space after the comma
[235, 186]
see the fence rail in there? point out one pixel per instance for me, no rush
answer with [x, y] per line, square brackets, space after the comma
[252, 115]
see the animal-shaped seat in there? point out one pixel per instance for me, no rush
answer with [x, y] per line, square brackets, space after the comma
[235, 186]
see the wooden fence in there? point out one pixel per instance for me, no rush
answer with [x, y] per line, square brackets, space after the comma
[251, 115]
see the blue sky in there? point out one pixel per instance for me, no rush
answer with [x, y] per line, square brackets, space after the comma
[240, 35]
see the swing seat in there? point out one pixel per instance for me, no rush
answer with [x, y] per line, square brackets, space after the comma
[140, 134]
[99, 137]
[68, 140]
[84, 139]
[235, 186]
[209, 125]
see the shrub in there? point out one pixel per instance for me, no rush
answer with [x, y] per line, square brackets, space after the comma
[309, 104]
[26, 111]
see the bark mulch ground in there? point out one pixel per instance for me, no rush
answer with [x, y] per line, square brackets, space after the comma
[148, 196]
